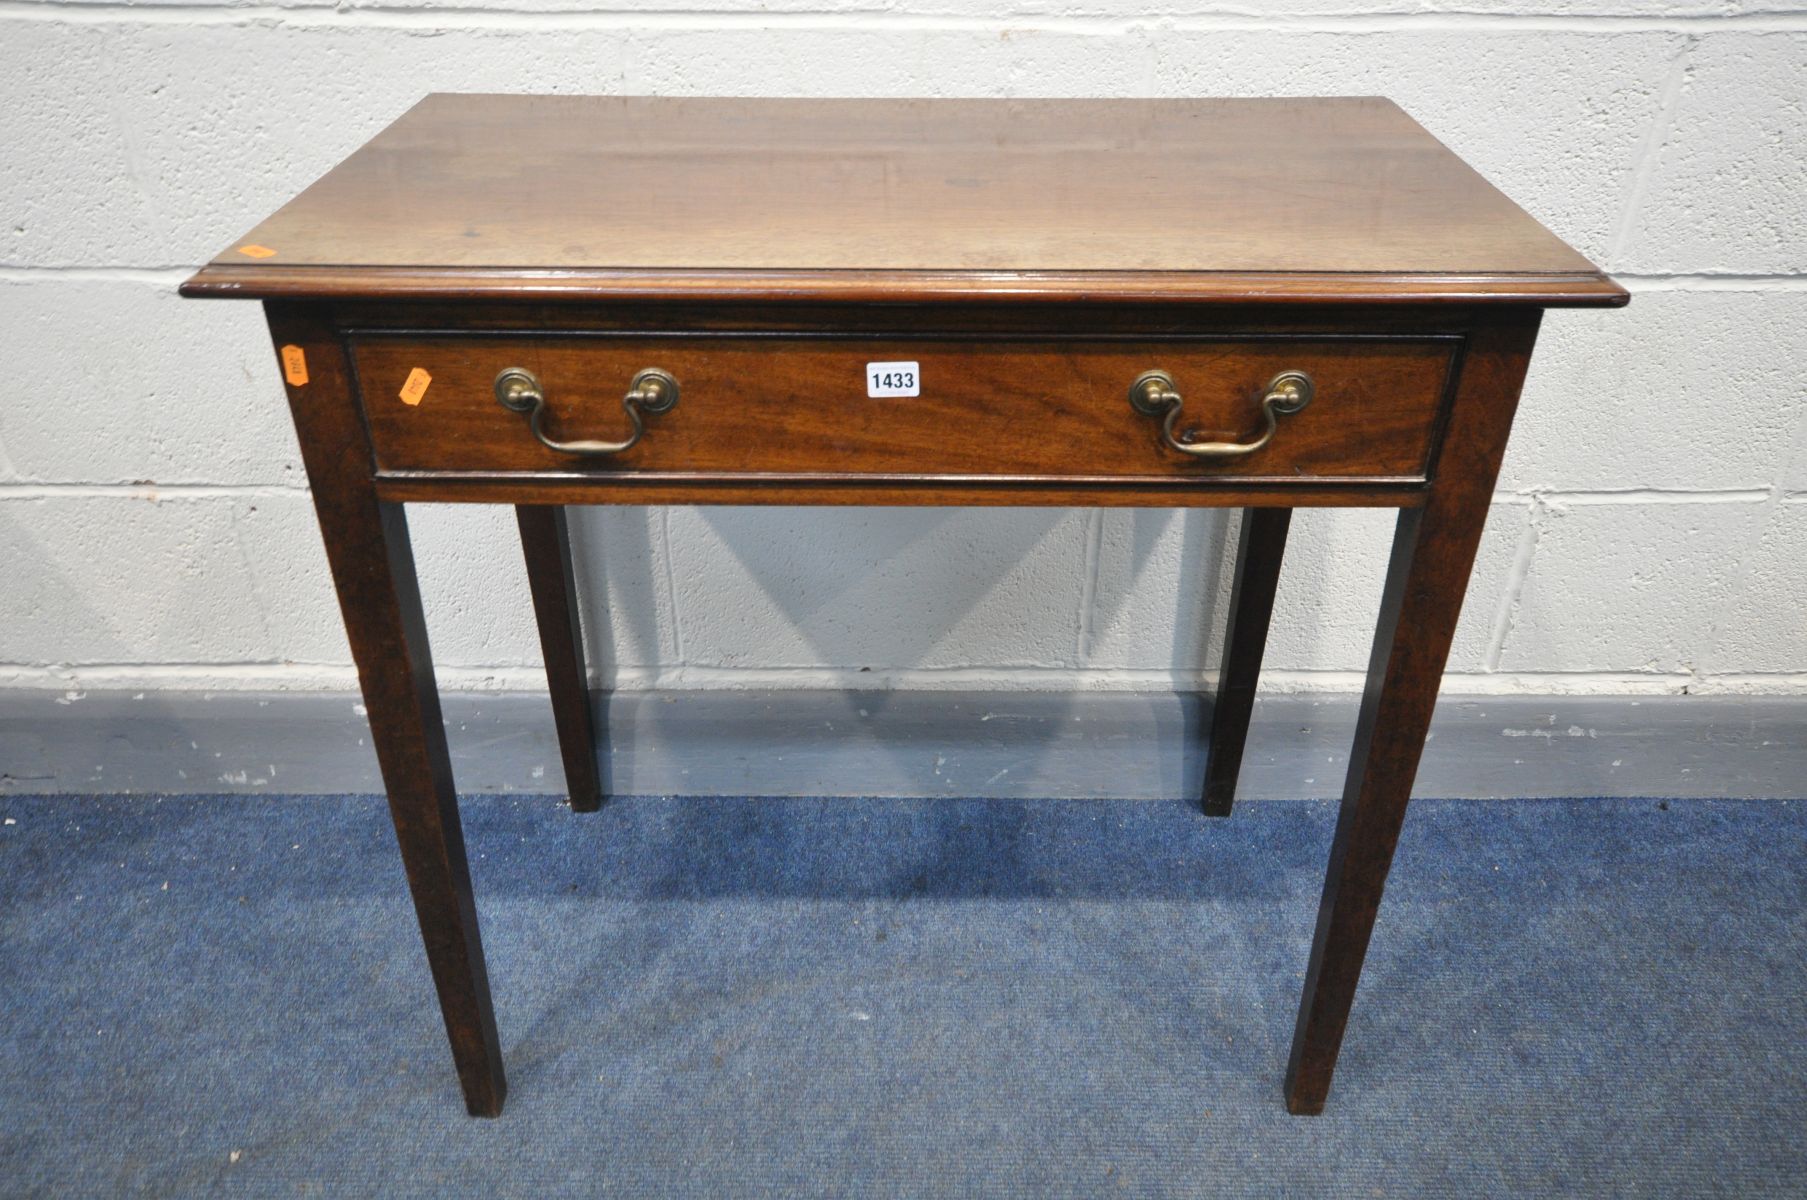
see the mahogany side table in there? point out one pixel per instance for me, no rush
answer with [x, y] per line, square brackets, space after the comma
[544, 301]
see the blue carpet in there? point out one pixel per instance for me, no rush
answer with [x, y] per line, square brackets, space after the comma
[901, 998]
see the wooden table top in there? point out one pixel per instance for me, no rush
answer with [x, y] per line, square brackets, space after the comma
[583, 197]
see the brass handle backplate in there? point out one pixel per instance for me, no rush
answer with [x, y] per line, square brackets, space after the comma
[1153, 394]
[652, 391]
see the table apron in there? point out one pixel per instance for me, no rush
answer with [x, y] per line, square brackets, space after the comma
[889, 492]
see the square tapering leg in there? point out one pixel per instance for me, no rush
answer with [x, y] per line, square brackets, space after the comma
[372, 565]
[1260, 545]
[1427, 575]
[546, 543]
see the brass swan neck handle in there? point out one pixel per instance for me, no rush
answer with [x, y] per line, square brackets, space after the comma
[1153, 393]
[652, 391]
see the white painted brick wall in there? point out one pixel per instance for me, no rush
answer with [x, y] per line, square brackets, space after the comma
[1648, 534]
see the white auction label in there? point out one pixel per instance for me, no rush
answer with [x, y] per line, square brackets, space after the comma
[893, 379]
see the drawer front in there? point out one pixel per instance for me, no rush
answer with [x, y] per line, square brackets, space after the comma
[801, 405]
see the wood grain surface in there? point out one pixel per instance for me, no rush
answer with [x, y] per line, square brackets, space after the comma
[584, 197]
[799, 405]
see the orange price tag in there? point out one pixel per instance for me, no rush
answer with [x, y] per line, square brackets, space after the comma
[294, 365]
[257, 251]
[416, 386]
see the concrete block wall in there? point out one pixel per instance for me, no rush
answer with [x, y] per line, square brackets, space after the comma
[1648, 534]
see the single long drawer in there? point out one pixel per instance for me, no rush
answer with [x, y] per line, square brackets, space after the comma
[817, 405]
